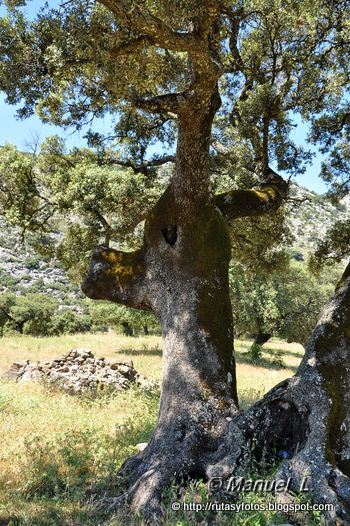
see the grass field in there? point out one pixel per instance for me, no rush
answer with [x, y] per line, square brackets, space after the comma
[58, 453]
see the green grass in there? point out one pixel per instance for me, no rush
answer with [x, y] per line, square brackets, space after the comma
[59, 453]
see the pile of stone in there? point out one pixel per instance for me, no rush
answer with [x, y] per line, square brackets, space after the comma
[80, 372]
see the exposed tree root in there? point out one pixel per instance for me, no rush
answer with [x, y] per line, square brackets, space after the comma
[290, 422]
[197, 453]
[303, 424]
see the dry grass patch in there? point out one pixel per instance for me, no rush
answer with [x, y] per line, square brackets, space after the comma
[58, 451]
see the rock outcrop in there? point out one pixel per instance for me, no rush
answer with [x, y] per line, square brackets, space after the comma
[79, 372]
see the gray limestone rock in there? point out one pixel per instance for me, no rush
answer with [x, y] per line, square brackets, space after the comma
[80, 372]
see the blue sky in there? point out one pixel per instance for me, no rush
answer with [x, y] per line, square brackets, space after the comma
[20, 132]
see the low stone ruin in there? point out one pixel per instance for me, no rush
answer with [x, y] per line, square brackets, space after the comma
[80, 372]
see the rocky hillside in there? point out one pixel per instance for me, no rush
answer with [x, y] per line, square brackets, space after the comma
[312, 215]
[23, 271]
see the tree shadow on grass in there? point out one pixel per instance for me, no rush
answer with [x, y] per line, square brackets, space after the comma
[283, 352]
[246, 358]
[271, 350]
[150, 351]
[81, 509]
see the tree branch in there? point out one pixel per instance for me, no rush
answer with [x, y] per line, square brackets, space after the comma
[243, 203]
[129, 47]
[228, 154]
[168, 103]
[144, 166]
[237, 64]
[117, 276]
[155, 30]
[223, 150]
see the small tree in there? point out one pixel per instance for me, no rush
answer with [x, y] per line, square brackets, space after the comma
[285, 302]
[112, 315]
[32, 314]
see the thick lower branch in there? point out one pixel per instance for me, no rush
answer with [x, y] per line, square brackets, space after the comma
[255, 202]
[117, 276]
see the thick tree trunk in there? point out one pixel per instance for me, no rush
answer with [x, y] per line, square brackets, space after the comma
[188, 251]
[181, 274]
[145, 330]
[198, 400]
[198, 397]
[306, 419]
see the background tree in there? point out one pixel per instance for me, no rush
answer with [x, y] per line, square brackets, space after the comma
[6, 302]
[38, 315]
[32, 314]
[286, 302]
[72, 200]
[162, 66]
[80, 194]
[67, 321]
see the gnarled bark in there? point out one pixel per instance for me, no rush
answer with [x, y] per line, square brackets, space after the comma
[307, 418]
[181, 274]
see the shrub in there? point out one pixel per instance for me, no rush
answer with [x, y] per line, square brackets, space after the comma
[32, 314]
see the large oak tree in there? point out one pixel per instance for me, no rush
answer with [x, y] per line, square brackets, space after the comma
[225, 79]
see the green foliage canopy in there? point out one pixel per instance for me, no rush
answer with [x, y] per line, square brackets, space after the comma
[74, 200]
[276, 58]
[283, 303]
